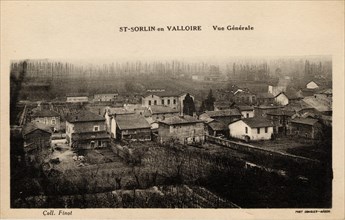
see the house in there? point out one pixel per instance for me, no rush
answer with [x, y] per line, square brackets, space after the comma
[305, 127]
[284, 98]
[185, 129]
[132, 127]
[281, 119]
[86, 130]
[77, 98]
[216, 128]
[265, 98]
[225, 116]
[159, 112]
[170, 99]
[109, 115]
[37, 140]
[244, 97]
[108, 97]
[223, 105]
[276, 89]
[48, 117]
[323, 106]
[251, 129]
[246, 111]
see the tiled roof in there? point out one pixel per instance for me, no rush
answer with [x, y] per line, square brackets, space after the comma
[223, 113]
[278, 112]
[84, 116]
[217, 125]
[158, 109]
[318, 104]
[32, 126]
[131, 121]
[118, 111]
[268, 107]
[163, 94]
[45, 113]
[89, 136]
[307, 121]
[257, 122]
[174, 120]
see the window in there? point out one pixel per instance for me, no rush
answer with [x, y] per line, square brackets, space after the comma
[162, 101]
[246, 130]
[266, 129]
[149, 102]
[247, 115]
[155, 102]
[168, 101]
[95, 128]
[174, 101]
[258, 130]
[53, 122]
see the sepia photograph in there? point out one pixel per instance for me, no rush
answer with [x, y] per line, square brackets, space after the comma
[184, 110]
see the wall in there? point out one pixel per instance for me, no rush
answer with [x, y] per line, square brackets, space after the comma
[250, 114]
[49, 122]
[77, 99]
[312, 85]
[281, 99]
[263, 135]
[237, 130]
[184, 133]
[136, 134]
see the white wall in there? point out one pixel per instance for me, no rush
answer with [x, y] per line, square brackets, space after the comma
[312, 85]
[250, 114]
[113, 128]
[262, 135]
[281, 99]
[237, 130]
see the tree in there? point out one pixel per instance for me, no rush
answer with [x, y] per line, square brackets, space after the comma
[188, 105]
[209, 101]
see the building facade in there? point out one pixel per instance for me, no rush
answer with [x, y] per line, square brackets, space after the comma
[251, 129]
[48, 117]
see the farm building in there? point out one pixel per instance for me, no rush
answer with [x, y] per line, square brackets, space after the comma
[109, 97]
[225, 116]
[251, 129]
[265, 98]
[48, 117]
[132, 127]
[86, 130]
[217, 128]
[77, 98]
[109, 116]
[37, 139]
[305, 127]
[159, 112]
[261, 110]
[186, 129]
[246, 111]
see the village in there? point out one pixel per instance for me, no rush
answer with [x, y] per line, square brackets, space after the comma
[162, 143]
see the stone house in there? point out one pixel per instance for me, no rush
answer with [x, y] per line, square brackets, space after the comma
[305, 127]
[265, 98]
[159, 112]
[251, 129]
[185, 129]
[246, 111]
[86, 130]
[224, 116]
[48, 117]
[132, 127]
[109, 116]
[37, 140]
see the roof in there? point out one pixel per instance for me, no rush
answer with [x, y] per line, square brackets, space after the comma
[45, 113]
[175, 120]
[32, 126]
[291, 95]
[257, 122]
[268, 107]
[89, 136]
[326, 92]
[163, 94]
[320, 105]
[245, 108]
[158, 109]
[307, 121]
[131, 121]
[217, 125]
[223, 113]
[118, 111]
[265, 95]
[84, 116]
